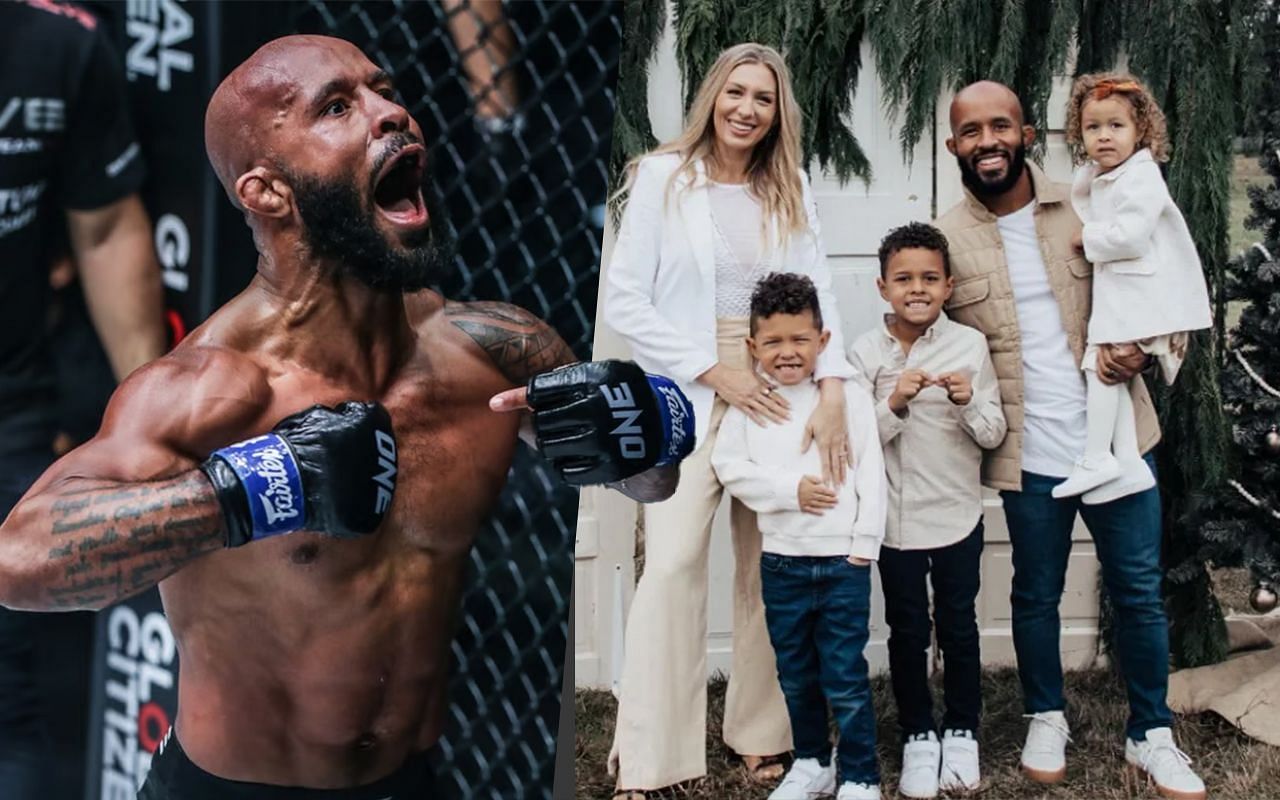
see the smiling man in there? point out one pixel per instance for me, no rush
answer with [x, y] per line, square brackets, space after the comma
[305, 473]
[1019, 280]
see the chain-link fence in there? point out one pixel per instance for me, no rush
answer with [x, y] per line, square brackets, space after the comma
[516, 102]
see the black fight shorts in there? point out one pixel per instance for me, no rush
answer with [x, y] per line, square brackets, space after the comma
[173, 776]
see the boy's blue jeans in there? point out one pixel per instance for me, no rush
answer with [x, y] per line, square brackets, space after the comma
[1126, 533]
[816, 609]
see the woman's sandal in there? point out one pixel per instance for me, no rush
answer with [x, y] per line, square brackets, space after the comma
[766, 770]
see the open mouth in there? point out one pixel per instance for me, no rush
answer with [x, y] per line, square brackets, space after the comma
[741, 128]
[918, 305]
[398, 190]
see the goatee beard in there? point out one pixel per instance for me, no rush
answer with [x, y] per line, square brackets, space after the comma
[980, 188]
[338, 226]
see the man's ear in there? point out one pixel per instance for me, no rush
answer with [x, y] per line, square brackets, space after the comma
[1028, 135]
[263, 194]
[951, 145]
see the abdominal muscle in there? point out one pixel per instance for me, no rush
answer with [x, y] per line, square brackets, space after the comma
[324, 675]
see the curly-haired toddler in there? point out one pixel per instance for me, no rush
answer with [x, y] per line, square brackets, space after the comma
[1148, 287]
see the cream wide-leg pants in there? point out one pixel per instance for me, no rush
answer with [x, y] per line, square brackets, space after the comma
[660, 735]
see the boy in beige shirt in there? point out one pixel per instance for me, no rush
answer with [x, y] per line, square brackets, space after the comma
[937, 405]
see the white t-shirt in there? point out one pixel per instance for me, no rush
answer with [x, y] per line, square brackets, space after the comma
[1053, 386]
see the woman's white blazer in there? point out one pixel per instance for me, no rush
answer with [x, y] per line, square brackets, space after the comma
[660, 289]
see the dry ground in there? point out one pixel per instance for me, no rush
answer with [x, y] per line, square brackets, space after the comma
[1234, 766]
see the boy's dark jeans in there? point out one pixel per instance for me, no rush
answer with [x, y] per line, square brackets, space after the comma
[816, 609]
[955, 572]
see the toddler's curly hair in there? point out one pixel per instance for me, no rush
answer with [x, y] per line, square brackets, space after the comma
[784, 293]
[1153, 132]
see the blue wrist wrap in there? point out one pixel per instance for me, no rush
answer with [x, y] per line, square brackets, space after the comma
[269, 473]
[677, 420]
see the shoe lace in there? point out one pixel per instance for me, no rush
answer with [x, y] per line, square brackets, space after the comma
[1053, 722]
[1166, 752]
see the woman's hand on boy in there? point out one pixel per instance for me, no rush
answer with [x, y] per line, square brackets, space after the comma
[748, 392]
[828, 427]
[858, 562]
[1077, 241]
[910, 384]
[815, 497]
[958, 385]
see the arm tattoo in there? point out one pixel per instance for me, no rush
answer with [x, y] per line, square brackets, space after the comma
[106, 543]
[520, 344]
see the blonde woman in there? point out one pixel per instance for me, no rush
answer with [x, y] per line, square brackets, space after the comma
[707, 215]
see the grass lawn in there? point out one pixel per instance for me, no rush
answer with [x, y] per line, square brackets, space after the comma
[1245, 172]
[1233, 765]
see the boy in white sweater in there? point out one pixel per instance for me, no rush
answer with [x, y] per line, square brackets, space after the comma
[937, 405]
[819, 542]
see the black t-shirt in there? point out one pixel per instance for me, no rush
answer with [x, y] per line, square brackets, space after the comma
[66, 142]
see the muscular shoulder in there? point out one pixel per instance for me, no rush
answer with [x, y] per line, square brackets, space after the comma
[191, 399]
[518, 343]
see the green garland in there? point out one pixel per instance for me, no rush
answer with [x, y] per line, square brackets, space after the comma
[643, 21]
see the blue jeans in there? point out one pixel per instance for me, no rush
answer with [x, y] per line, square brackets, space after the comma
[1126, 533]
[816, 609]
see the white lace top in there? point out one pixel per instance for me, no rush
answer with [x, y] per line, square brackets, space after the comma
[741, 256]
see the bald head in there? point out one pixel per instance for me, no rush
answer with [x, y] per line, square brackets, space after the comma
[249, 110]
[986, 94]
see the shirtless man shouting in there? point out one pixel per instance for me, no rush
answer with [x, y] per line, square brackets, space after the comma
[304, 474]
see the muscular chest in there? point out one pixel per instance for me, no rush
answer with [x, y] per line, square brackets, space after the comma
[453, 453]
[451, 459]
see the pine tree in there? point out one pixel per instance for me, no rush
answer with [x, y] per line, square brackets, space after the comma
[1247, 531]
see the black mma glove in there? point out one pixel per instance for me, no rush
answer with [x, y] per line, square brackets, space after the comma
[329, 470]
[603, 421]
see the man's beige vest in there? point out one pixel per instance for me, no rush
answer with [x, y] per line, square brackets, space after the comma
[983, 299]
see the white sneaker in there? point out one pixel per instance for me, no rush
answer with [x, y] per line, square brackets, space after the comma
[920, 758]
[858, 791]
[806, 780]
[1135, 476]
[960, 769]
[1087, 474]
[1044, 755]
[1165, 765]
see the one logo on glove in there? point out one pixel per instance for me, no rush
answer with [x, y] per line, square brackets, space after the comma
[269, 473]
[629, 433]
[386, 479]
